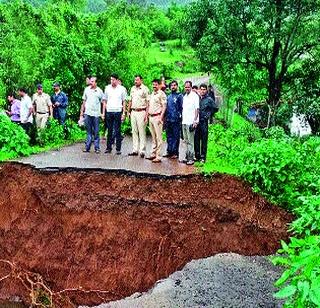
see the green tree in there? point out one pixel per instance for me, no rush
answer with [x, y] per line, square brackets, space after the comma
[259, 42]
[60, 41]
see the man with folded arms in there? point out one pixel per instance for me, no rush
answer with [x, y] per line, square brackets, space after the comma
[42, 107]
[138, 113]
[157, 109]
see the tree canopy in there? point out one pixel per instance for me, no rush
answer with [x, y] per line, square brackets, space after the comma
[255, 46]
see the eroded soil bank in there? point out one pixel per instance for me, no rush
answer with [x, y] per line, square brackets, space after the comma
[100, 236]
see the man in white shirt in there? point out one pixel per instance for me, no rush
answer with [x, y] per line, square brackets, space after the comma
[190, 120]
[26, 111]
[114, 111]
[91, 111]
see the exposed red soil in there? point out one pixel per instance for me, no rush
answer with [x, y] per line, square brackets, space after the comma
[121, 233]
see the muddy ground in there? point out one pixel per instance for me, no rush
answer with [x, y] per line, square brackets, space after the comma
[94, 237]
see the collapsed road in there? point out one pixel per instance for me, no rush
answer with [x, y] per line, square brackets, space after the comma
[84, 237]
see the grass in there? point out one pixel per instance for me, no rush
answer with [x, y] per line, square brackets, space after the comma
[180, 57]
[175, 50]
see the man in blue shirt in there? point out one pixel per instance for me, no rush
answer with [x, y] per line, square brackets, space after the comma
[59, 103]
[173, 121]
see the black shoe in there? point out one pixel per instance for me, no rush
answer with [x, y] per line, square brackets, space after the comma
[97, 151]
[133, 154]
[118, 152]
[151, 157]
[86, 151]
[142, 155]
[167, 155]
[107, 151]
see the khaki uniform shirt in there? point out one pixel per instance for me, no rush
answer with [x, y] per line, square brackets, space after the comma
[139, 97]
[41, 102]
[158, 101]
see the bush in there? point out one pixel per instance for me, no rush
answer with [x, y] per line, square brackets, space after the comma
[308, 213]
[226, 144]
[73, 132]
[275, 132]
[52, 134]
[13, 139]
[302, 275]
[274, 168]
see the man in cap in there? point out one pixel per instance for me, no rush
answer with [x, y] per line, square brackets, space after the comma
[42, 107]
[59, 102]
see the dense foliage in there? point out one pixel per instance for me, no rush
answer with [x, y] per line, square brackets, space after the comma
[15, 142]
[255, 48]
[60, 41]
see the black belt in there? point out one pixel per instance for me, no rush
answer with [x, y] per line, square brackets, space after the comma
[155, 114]
[42, 112]
[139, 109]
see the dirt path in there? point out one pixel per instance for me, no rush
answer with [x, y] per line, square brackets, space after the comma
[197, 80]
[102, 236]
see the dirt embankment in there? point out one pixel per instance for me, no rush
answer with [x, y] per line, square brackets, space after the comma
[106, 235]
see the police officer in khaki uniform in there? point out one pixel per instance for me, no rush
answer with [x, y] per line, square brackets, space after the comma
[42, 107]
[157, 108]
[138, 113]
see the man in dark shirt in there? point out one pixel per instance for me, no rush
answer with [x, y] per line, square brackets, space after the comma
[213, 96]
[173, 121]
[206, 111]
[59, 103]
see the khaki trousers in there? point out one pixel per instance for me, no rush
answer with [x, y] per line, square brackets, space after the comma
[138, 126]
[156, 133]
[41, 120]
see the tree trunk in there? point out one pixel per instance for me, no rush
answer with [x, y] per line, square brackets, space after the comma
[275, 82]
[314, 123]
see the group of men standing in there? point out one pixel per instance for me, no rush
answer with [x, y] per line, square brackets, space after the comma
[184, 116]
[39, 108]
